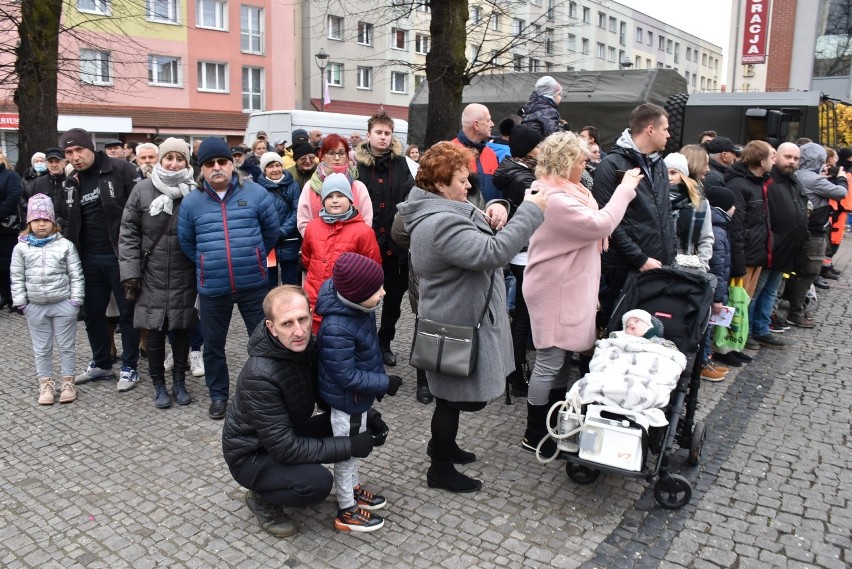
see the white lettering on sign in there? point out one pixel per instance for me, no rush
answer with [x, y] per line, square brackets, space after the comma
[754, 33]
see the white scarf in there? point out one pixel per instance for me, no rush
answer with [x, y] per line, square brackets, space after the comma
[173, 185]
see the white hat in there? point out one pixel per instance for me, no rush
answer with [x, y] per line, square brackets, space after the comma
[548, 86]
[677, 161]
[642, 315]
[268, 158]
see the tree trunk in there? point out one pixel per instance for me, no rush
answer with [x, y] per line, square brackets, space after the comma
[36, 66]
[445, 69]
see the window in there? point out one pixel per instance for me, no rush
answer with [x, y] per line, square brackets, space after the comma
[94, 6]
[613, 24]
[95, 67]
[163, 11]
[212, 14]
[517, 27]
[423, 6]
[601, 20]
[669, 44]
[586, 47]
[163, 70]
[535, 65]
[687, 77]
[365, 33]
[421, 43]
[659, 65]
[474, 53]
[252, 89]
[495, 22]
[587, 15]
[517, 62]
[703, 83]
[418, 81]
[639, 35]
[495, 60]
[572, 10]
[693, 80]
[704, 58]
[335, 28]
[535, 2]
[334, 74]
[548, 42]
[661, 42]
[689, 54]
[610, 54]
[212, 77]
[622, 33]
[601, 50]
[476, 14]
[650, 37]
[571, 44]
[551, 14]
[399, 38]
[677, 53]
[399, 82]
[648, 64]
[365, 77]
[638, 62]
[251, 29]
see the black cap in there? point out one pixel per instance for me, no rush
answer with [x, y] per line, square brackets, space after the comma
[113, 142]
[240, 149]
[722, 144]
[54, 153]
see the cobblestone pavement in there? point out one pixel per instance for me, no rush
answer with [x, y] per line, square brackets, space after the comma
[111, 481]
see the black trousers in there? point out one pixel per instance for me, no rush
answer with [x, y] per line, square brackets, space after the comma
[396, 283]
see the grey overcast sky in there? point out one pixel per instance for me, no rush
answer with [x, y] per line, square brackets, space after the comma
[708, 20]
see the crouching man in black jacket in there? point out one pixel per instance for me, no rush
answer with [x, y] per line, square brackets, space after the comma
[273, 443]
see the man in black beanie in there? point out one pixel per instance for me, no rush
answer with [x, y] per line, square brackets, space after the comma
[306, 163]
[89, 209]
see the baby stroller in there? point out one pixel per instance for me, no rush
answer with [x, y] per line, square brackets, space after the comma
[596, 438]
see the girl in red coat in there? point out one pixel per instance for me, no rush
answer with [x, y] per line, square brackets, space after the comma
[338, 229]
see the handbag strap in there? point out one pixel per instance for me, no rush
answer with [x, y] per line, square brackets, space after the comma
[487, 301]
[159, 236]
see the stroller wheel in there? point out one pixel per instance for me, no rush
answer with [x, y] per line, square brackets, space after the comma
[699, 433]
[672, 491]
[581, 474]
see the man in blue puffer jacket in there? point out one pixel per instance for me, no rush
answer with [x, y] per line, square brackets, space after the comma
[227, 227]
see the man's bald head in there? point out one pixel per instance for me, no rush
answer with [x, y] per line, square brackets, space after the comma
[787, 159]
[476, 122]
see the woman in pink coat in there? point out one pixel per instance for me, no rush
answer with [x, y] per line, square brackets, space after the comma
[563, 271]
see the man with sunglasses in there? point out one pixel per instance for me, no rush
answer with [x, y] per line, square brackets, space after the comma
[227, 227]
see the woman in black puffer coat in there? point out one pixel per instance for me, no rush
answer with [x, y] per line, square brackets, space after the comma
[513, 177]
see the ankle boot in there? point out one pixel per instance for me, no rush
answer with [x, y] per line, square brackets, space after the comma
[537, 430]
[271, 518]
[161, 396]
[46, 388]
[182, 396]
[444, 476]
[67, 391]
[520, 380]
[457, 456]
[423, 394]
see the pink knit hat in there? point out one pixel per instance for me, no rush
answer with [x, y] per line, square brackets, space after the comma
[40, 207]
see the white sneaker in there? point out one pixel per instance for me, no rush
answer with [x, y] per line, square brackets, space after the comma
[169, 364]
[196, 363]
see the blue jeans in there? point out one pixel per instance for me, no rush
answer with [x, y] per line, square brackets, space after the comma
[763, 302]
[102, 278]
[216, 314]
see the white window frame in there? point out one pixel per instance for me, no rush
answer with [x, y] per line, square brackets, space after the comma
[517, 62]
[572, 10]
[650, 38]
[534, 65]
[587, 46]
[688, 53]
[571, 42]
[518, 26]
[476, 14]
[251, 93]
[156, 62]
[613, 24]
[602, 20]
[640, 35]
[91, 67]
[100, 7]
[395, 35]
[395, 75]
[364, 78]
[249, 16]
[548, 42]
[334, 27]
[172, 15]
[495, 22]
[220, 14]
[202, 77]
[587, 15]
[422, 43]
[418, 80]
[610, 54]
[365, 33]
[334, 74]
[600, 51]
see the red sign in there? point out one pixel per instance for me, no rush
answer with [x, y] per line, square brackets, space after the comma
[9, 121]
[754, 31]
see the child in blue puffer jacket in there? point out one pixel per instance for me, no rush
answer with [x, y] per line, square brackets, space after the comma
[352, 375]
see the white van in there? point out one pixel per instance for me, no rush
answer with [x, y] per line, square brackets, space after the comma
[278, 124]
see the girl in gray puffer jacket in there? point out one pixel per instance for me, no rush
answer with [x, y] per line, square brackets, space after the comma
[47, 288]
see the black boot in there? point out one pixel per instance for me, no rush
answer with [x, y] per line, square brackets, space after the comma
[458, 456]
[271, 518]
[182, 396]
[161, 396]
[423, 394]
[520, 380]
[443, 475]
[537, 430]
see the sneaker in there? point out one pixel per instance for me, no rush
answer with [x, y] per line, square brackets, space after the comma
[710, 373]
[357, 519]
[366, 500]
[720, 367]
[94, 373]
[196, 364]
[770, 341]
[751, 344]
[728, 360]
[776, 326]
[169, 364]
[800, 320]
[127, 379]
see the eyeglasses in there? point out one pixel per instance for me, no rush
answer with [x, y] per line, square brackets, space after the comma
[219, 161]
[306, 158]
[337, 153]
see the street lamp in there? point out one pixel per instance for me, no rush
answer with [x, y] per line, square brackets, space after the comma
[626, 63]
[321, 60]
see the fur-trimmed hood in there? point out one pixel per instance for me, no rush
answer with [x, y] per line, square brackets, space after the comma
[367, 158]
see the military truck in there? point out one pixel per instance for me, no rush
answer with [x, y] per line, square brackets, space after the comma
[605, 99]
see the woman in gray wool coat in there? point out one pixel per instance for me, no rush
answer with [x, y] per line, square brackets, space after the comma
[164, 289]
[457, 256]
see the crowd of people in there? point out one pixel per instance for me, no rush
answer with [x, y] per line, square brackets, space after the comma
[532, 233]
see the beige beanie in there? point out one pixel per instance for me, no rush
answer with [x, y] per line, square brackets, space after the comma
[175, 145]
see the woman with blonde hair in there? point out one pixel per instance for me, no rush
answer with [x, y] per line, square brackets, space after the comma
[562, 277]
[690, 211]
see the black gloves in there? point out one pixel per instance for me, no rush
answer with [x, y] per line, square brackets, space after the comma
[131, 289]
[394, 381]
[362, 444]
[377, 428]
